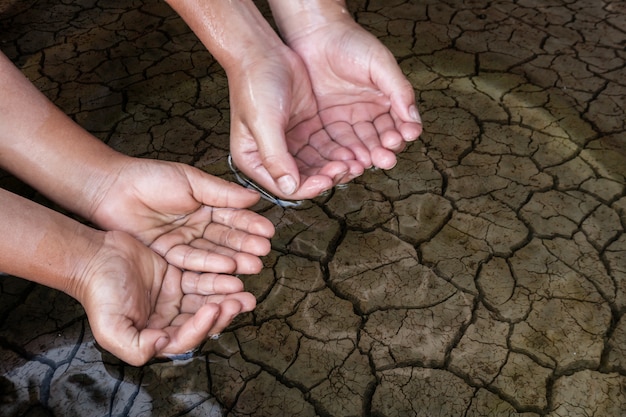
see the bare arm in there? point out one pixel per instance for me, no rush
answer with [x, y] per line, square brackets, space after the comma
[173, 208]
[46, 149]
[138, 306]
[256, 62]
[301, 17]
[277, 137]
[234, 31]
[44, 246]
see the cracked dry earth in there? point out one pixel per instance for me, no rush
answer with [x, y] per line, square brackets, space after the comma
[485, 275]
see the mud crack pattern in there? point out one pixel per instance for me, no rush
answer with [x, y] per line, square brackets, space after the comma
[484, 275]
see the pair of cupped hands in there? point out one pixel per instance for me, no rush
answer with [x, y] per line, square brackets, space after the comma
[304, 119]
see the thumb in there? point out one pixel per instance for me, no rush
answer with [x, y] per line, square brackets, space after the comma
[282, 175]
[390, 79]
[133, 346]
[281, 167]
[217, 192]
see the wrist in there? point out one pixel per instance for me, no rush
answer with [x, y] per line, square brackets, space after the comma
[81, 251]
[44, 246]
[214, 21]
[298, 18]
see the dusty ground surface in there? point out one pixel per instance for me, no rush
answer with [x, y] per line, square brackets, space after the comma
[484, 275]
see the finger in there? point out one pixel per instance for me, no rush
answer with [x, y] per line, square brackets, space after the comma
[323, 144]
[216, 235]
[245, 263]
[410, 131]
[274, 156]
[244, 220]
[381, 157]
[390, 137]
[189, 330]
[216, 192]
[131, 345]
[200, 260]
[310, 186]
[193, 302]
[336, 171]
[281, 175]
[312, 163]
[390, 79]
[210, 284]
[248, 264]
[332, 150]
[355, 169]
[313, 186]
[230, 308]
[343, 133]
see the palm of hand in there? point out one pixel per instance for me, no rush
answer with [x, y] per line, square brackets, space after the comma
[360, 92]
[139, 306]
[184, 215]
[276, 129]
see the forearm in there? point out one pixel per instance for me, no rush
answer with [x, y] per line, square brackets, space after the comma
[301, 17]
[44, 246]
[234, 31]
[46, 149]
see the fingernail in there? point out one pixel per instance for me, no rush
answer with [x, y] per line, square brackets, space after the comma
[415, 114]
[287, 184]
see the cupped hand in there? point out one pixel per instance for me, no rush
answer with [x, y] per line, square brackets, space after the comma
[140, 307]
[195, 221]
[278, 138]
[365, 102]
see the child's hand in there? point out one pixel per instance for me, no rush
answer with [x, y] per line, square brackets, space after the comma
[195, 221]
[277, 136]
[140, 307]
[365, 102]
